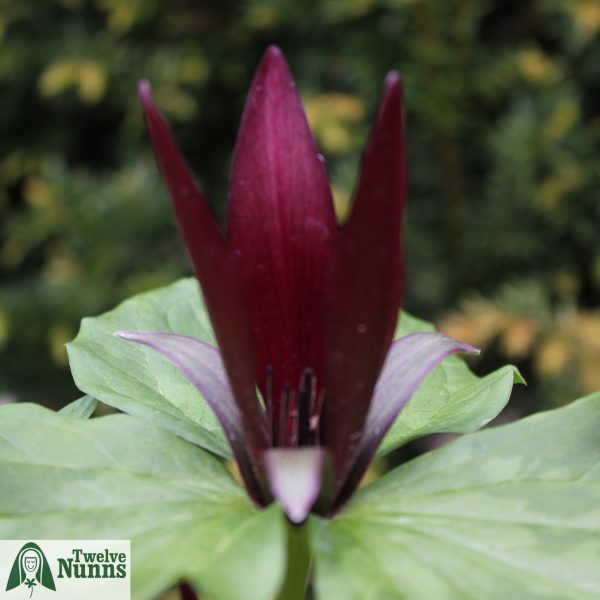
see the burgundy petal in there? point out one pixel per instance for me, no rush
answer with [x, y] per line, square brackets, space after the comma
[187, 591]
[282, 225]
[203, 367]
[215, 268]
[295, 476]
[408, 363]
[365, 287]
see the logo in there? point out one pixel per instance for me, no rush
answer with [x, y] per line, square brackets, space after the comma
[30, 568]
[65, 569]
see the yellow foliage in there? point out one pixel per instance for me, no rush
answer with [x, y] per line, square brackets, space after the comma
[37, 192]
[573, 346]
[561, 121]
[341, 202]
[4, 329]
[122, 14]
[58, 335]
[330, 115]
[343, 107]
[553, 356]
[40, 196]
[537, 68]
[334, 137]
[129, 182]
[562, 344]
[262, 16]
[479, 322]
[56, 78]
[88, 77]
[61, 265]
[586, 14]
[589, 373]
[518, 337]
[92, 82]
[13, 253]
[177, 103]
[586, 327]
[193, 69]
[555, 187]
[17, 164]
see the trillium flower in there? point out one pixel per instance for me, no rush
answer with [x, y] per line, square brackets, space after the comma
[305, 380]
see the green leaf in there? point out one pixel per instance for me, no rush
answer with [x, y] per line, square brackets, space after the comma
[80, 409]
[451, 399]
[509, 512]
[138, 380]
[117, 477]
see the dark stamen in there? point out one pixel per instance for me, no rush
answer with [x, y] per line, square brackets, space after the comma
[283, 414]
[304, 398]
[269, 403]
[315, 416]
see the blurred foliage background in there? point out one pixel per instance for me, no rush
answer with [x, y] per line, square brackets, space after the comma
[504, 132]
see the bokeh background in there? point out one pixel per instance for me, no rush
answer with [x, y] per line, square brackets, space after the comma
[503, 96]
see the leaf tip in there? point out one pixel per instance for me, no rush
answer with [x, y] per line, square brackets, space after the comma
[518, 378]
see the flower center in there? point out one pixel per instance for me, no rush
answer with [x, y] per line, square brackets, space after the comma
[294, 414]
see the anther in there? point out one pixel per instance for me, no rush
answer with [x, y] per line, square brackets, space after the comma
[304, 400]
[269, 403]
[284, 410]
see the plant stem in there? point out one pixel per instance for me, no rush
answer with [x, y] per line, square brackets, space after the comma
[298, 563]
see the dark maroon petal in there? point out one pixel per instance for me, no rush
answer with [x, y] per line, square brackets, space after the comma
[365, 287]
[202, 366]
[408, 363]
[295, 476]
[215, 268]
[187, 591]
[282, 225]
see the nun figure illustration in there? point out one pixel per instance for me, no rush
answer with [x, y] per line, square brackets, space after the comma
[31, 569]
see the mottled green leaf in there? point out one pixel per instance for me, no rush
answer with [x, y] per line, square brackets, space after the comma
[117, 477]
[509, 512]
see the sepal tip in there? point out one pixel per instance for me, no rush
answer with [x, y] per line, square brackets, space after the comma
[295, 477]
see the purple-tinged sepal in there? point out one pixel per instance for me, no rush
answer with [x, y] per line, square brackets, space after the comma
[408, 363]
[203, 367]
[296, 478]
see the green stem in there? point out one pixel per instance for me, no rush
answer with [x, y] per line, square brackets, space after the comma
[298, 563]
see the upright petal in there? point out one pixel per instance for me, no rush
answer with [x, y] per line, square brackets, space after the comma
[215, 268]
[408, 363]
[282, 225]
[202, 366]
[365, 286]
